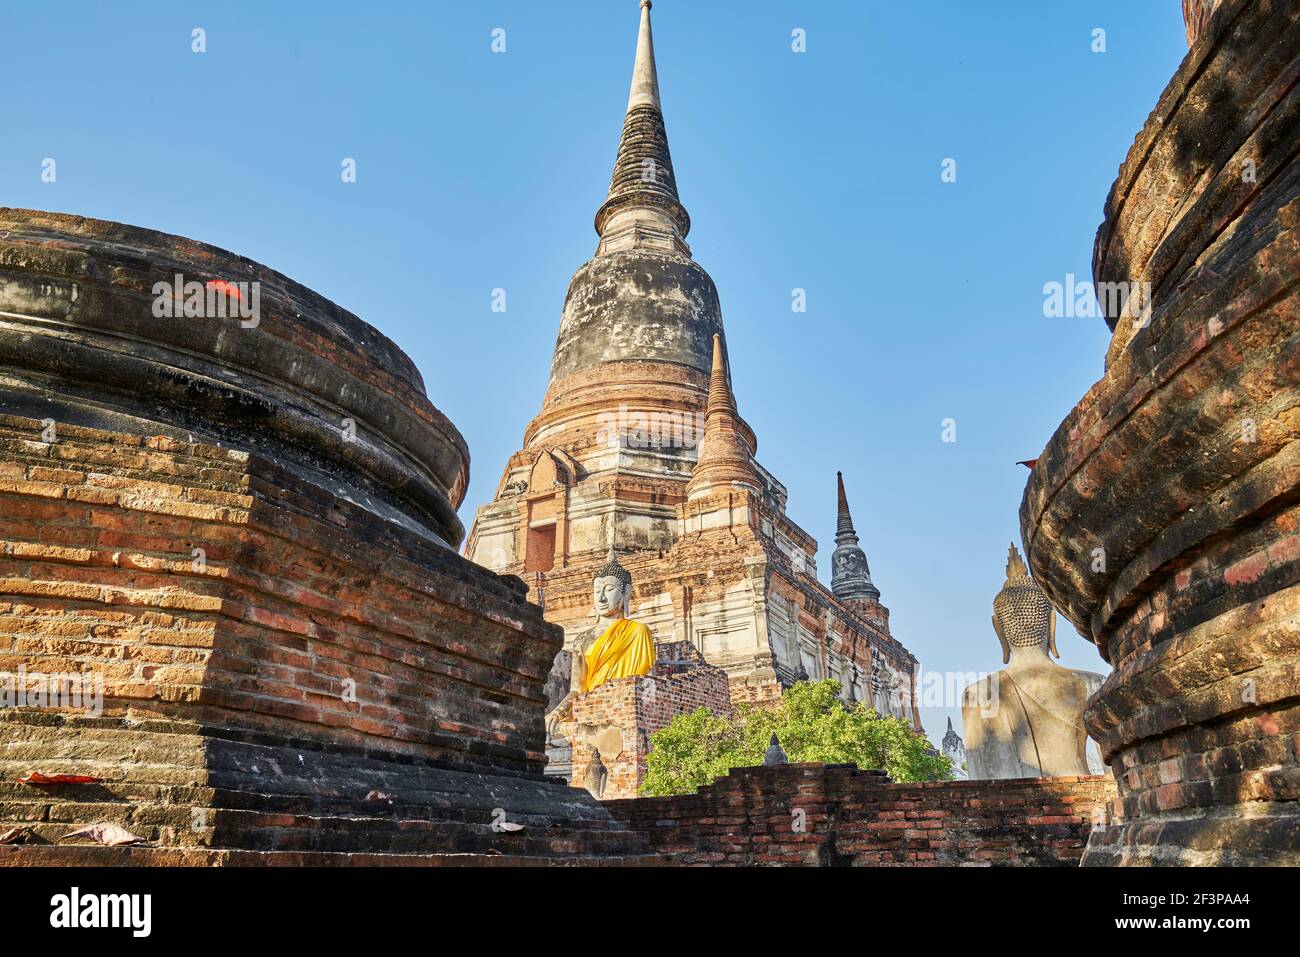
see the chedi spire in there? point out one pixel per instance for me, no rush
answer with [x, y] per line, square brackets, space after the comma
[726, 448]
[850, 575]
[643, 208]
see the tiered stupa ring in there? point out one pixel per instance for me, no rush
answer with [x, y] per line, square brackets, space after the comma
[308, 384]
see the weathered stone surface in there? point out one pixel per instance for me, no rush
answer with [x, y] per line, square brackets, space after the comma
[639, 305]
[297, 601]
[1162, 516]
[1197, 13]
[95, 856]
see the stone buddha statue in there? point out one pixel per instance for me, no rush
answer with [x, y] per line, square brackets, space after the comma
[616, 646]
[1026, 720]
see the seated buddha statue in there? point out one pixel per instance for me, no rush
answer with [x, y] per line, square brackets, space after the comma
[616, 646]
[1026, 721]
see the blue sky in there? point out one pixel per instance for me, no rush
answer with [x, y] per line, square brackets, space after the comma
[818, 170]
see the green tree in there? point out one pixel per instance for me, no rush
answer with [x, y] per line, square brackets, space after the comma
[812, 724]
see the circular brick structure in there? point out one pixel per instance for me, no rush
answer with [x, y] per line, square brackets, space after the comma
[302, 381]
[1162, 516]
[227, 518]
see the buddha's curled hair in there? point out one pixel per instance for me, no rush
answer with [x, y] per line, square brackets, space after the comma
[612, 569]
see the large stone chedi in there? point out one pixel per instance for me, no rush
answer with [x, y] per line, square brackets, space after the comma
[640, 445]
[1026, 721]
[240, 531]
[1162, 518]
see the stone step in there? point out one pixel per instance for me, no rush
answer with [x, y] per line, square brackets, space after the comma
[181, 792]
[173, 805]
[415, 837]
[116, 794]
[95, 856]
[176, 824]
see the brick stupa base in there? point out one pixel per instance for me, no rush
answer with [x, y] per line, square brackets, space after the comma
[244, 533]
[612, 725]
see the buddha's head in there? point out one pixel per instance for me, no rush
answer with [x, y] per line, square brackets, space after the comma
[612, 589]
[1022, 616]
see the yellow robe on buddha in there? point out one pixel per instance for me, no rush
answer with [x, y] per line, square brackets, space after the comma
[625, 649]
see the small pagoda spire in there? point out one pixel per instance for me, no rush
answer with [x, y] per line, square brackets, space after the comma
[726, 449]
[953, 746]
[643, 208]
[850, 575]
[843, 521]
[774, 754]
[720, 398]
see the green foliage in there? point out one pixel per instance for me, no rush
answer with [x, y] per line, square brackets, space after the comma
[812, 724]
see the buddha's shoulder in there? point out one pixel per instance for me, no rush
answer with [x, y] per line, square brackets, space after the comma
[978, 691]
[639, 629]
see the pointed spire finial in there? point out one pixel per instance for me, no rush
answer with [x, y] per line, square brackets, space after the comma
[645, 78]
[843, 520]
[643, 208]
[720, 397]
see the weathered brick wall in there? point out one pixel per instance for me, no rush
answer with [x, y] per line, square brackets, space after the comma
[826, 815]
[246, 531]
[200, 577]
[1163, 516]
[314, 680]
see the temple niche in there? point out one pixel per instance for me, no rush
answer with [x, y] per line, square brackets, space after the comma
[640, 446]
[1026, 721]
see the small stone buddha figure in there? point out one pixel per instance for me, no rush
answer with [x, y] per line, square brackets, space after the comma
[616, 646]
[1026, 721]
